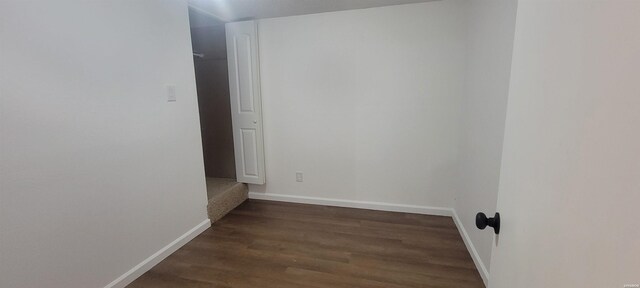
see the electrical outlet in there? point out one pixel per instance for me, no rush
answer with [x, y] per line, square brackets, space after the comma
[299, 177]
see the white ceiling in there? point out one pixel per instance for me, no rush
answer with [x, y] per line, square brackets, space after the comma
[236, 10]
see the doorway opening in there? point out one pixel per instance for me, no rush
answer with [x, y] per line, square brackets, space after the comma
[208, 41]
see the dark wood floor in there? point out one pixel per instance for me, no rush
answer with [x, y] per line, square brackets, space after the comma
[265, 244]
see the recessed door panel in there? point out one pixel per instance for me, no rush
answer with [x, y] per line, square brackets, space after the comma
[242, 46]
[249, 152]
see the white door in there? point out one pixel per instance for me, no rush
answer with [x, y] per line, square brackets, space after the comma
[569, 195]
[246, 103]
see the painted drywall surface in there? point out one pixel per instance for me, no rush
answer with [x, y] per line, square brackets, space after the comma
[570, 177]
[365, 103]
[98, 171]
[491, 25]
[212, 80]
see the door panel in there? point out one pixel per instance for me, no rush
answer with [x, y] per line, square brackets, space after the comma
[246, 112]
[242, 59]
[250, 152]
[570, 176]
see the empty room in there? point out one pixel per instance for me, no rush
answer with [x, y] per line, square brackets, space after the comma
[319, 143]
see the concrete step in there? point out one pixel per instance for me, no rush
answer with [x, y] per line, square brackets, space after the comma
[224, 195]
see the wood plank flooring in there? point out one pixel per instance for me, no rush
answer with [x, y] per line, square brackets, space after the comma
[266, 244]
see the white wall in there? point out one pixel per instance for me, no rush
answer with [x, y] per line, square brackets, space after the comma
[491, 25]
[98, 171]
[365, 102]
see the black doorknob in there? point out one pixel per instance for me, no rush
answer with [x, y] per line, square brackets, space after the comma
[482, 222]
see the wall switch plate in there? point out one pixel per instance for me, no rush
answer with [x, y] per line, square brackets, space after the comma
[171, 93]
[299, 177]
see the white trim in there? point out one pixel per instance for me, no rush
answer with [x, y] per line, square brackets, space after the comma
[439, 211]
[154, 259]
[472, 249]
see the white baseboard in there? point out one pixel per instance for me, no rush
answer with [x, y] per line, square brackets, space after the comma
[154, 259]
[472, 250]
[439, 211]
